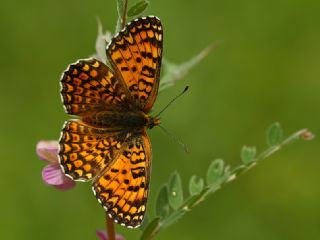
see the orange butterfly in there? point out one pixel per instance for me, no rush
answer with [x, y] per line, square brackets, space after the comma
[109, 144]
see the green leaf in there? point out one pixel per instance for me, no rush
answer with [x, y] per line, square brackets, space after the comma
[120, 9]
[173, 218]
[274, 134]
[248, 154]
[174, 72]
[175, 191]
[145, 222]
[151, 230]
[162, 203]
[101, 41]
[195, 186]
[138, 8]
[215, 172]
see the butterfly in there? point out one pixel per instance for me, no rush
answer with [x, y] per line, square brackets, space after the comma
[108, 143]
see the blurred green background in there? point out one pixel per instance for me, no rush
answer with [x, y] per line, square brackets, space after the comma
[265, 69]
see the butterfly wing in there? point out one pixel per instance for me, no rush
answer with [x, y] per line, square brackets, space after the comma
[135, 54]
[88, 86]
[123, 188]
[85, 150]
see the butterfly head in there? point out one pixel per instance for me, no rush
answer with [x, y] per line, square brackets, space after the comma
[153, 121]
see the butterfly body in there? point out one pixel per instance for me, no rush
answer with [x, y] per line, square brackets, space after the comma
[125, 120]
[108, 144]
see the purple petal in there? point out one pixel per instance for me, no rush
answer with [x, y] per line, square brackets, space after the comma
[104, 236]
[68, 184]
[48, 151]
[53, 175]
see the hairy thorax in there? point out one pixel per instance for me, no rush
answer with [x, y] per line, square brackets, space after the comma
[122, 120]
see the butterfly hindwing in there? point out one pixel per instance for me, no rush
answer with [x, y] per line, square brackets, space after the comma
[85, 151]
[88, 86]
[135, 54]
[123, 188]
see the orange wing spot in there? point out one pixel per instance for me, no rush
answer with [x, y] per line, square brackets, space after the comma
[129, 39]
[120, 42]
[75, 147]
[79, 91]
[104, 82]
[89, 175]
[93, 73]
[147, 25]
[116, 55]
[143, 35]
[121, 202]
[69, 98]
[148, 89]
[96, 64]
[115, 210]
[84, 76]
[79, 172]
[75, 137]
[89, 157]
[78, 163]
[87, 167]
[150, 33]
[73, 156]
[113, 185]
[74, 72]
[69, 166]
[70, 88]
[105, 195]
[126, 208]
[77, 81]
[154, 52]
[86, 67]
[113, 200]
[66, 147]
[133, 210]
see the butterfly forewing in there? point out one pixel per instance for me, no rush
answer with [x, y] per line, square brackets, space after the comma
[135, 54]
[88, 86]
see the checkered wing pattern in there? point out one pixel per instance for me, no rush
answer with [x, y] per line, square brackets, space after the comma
[88, 86]
[123, 188]
[135, 54]
[109, 144]
[85, 151]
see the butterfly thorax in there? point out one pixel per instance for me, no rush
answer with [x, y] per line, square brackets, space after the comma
[122, 120]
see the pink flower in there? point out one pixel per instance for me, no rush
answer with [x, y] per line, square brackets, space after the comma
[103, 235]
[52, 173]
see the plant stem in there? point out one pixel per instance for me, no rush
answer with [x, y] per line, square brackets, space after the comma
[110, 228]
[124, 16]
[193, 201]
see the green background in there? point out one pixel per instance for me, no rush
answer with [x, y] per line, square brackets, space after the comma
[265, 69]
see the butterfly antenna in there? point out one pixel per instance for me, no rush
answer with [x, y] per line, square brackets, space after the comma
[174, 99]
[175, 139]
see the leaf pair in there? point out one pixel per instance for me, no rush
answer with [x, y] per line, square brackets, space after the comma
[135, 10]
[170, 203]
